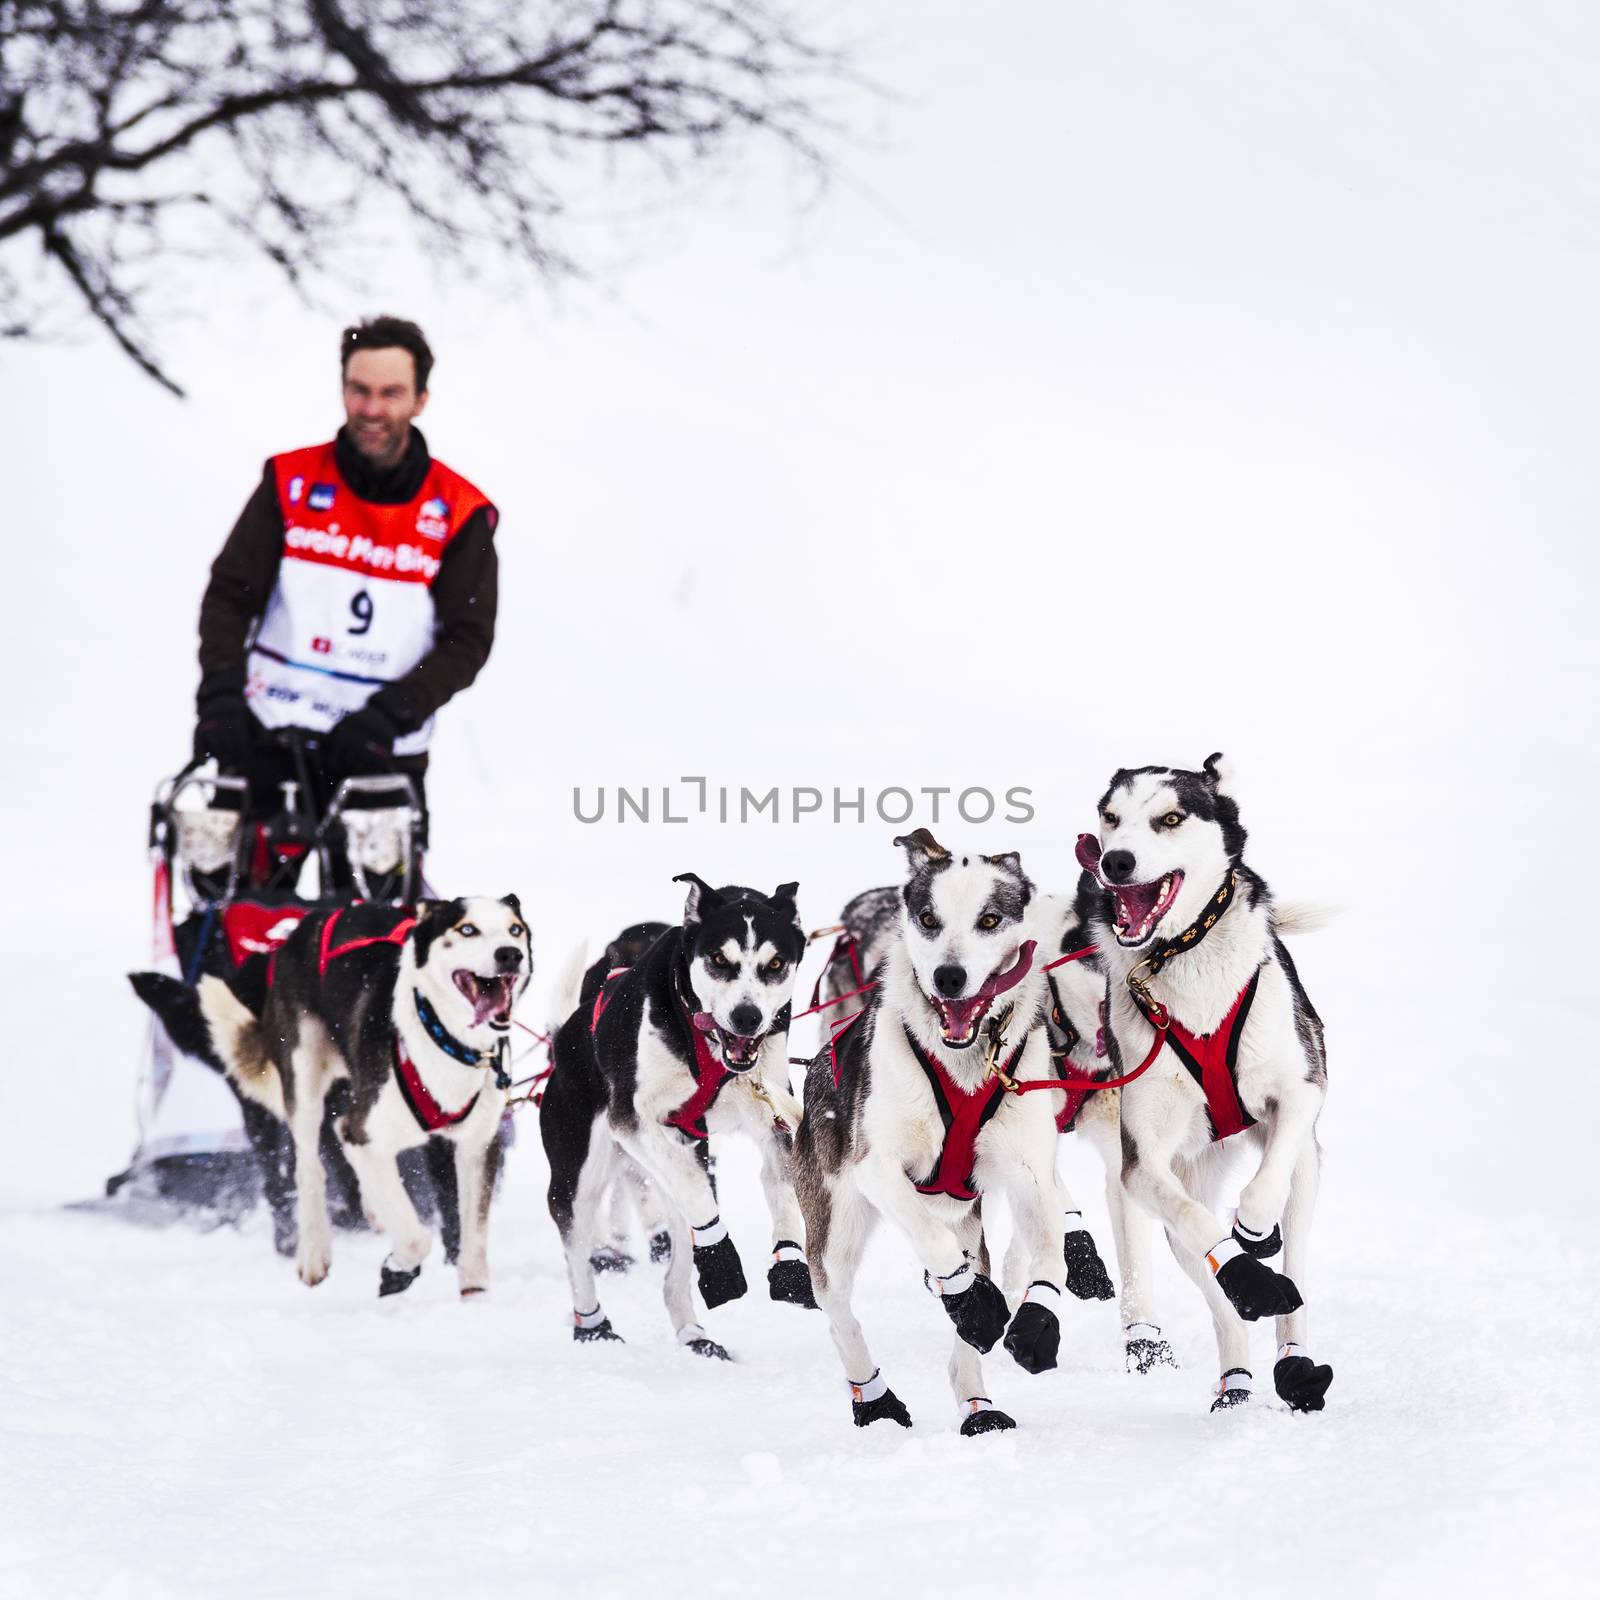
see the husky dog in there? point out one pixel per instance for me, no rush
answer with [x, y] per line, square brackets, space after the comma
[1194, 959]
[906, 1118]
[1076, 1004]
[687, 1041]
[403, 1016]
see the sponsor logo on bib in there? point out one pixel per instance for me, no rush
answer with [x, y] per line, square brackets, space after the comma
[433, 521]
[297, 487]
[321, 497]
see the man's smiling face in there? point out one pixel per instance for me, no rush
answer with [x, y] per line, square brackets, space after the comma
[381, 402]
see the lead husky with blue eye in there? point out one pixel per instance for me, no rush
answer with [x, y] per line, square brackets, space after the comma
[1193, 950]
[907, 1118]
[689, 1040]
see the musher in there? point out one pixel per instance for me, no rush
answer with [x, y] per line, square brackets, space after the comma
[355, 595]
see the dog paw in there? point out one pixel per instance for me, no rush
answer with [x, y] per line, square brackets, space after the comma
[984, 1418]
[1301, 1383]
[707, 1347]
[719, 1269]
[1253, 1289]
[1233, 1389]
[1087, 1277]
[607, 1258]
[660, 1247]
[1263, 1246]
[789, 1278]
[602, 1330]
[474, 1291]
[312, 1262]
[1146, 1350]
[1034, 1337]
[285, 1236]
[396, 1280]
[978, 1309]
[874, 1401]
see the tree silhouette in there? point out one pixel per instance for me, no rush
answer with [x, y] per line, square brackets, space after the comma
[137, 140]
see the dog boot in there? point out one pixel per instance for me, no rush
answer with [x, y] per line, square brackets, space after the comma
[974, 1303]
[608, 1258]
[695, 1338]
[1233, 1389]
[981, 1417]
[789, 1278]
[1087, 1277]
[1300, 1382]
[874, 1401]
[1146, 1349]
[1253, 1289]
[1263, 1246]
[1034, 1337]
[717, 1263]
[589, 1326]
[396, 1280]
[660, 1247]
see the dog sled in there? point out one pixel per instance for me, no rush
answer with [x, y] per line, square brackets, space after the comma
[228, 886]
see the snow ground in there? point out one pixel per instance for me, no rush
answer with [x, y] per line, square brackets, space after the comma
[1193, 379]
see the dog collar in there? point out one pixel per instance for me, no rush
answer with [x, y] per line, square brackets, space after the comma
[453, 1047]
[1187, 940]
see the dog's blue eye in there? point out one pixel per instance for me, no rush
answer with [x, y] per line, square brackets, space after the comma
[467, 931]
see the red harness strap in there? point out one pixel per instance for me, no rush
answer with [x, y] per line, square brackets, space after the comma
[845, 947]
[963, 1113]
[327, 954]
[1212, 1060]
[603, 999]
[709, 1077]
[430, 1116]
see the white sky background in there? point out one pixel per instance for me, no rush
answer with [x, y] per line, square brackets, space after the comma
[1166, 379]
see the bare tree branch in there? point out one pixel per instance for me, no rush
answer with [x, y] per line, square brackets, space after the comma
[273, 121]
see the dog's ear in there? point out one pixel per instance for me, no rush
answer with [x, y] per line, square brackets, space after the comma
[1219, 773]
[1010, 861]
[921, 847]
[784, 897]
[701, 896]
[515, 904]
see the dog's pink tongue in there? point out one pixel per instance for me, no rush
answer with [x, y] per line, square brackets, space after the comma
[1088, 853]
[959, 1014]
[999, 982]
[489, 1002]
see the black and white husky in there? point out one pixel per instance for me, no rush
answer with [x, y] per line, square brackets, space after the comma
[1074, 1020]
[1193, 954]
[906, 1118]
[403, 1016]
[689, 1040]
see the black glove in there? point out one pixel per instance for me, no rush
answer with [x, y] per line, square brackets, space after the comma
[1034, 1337]
[361, 743]
[979, 1310]
[224, 726]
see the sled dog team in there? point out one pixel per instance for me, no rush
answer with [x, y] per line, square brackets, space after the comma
[960, 1047]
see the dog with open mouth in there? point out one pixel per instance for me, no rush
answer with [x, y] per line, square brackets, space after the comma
[1201, 985]
[908, 1117]
[688, 1040]
[402, 1018]
[1073, 1020]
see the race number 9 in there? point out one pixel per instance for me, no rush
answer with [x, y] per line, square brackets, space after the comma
[361, 610]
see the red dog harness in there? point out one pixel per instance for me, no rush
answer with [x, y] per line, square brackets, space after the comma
[963, 1112]
[327, 953]
[431, 1117]
[1212, 1060]
[709, 1074]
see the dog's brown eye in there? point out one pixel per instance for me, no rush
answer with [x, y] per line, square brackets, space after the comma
[719, 960]
[928, 920]
[467, 931]
[988, 920]
[776, 964]
[1109, 818]
[1171, 820]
